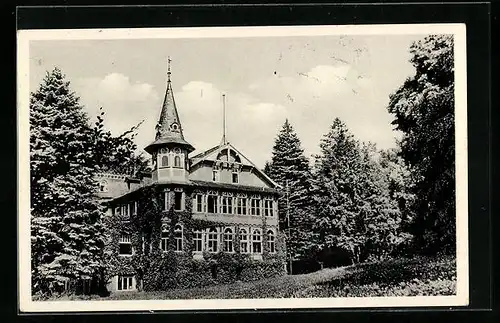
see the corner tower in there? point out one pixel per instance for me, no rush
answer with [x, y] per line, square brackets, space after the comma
[170, 150]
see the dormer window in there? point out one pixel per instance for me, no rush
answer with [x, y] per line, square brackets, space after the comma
[103, 186]
[174, 127]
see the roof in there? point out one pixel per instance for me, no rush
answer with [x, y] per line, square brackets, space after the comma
[168, 140]
[169, 127]
[229, 186]
[211, 152]
[198, 183]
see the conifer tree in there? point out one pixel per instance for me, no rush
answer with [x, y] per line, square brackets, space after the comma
[290, 168]
[337, 170]
[66, 230]
[355, 210]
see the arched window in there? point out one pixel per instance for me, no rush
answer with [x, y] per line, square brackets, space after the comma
[177, 161]
[228, 240]
[164, 161]
[163, 157]
[271, 241]
[164, 238]
[243, 241]
[256, 241]
[212, 240]
[178, 234]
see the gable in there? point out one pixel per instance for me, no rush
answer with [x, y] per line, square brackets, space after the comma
[203, 164]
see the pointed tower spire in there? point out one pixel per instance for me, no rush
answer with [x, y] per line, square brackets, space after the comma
[169, 128]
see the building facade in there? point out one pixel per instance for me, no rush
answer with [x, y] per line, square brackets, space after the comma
[194, 220]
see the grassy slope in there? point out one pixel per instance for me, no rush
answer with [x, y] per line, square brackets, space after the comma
[402, 277]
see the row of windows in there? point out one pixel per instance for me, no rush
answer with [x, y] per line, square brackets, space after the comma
[127, 210]
[167, 158]
[211, 240]
[232, 205]
[209, 204]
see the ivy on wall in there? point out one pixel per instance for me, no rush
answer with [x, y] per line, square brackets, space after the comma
[158, 270]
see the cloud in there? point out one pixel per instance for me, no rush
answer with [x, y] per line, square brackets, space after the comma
[124, 102]
[310, 100]
[248, 120]
[313, 99]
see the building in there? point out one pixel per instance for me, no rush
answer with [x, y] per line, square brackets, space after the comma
[194, 220]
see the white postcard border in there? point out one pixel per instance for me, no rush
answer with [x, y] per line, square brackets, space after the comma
[26, 304]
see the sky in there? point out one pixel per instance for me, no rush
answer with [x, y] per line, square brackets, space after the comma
[309, 80]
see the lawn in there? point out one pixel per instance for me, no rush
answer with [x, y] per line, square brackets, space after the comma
[401, 277]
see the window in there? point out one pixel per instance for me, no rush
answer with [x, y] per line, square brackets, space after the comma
[243, 241]
[241, 207]
[125, 283]
[118, 211]
[133, 208]
[256, 241]
[198, 240]
[228, 240]
[125, 210]
[268, 208]
[164, 238]
[163, 157]
[215, 175]
[103, 186]
[178, 237]
[212, 203]
[271, 243]
[178, 201]
[164, 161]
[198, 203]
[235, 178]
[255, 207]
[125, 246]
[212, 240]
[177, 161]
[227, 205]
[163, 201]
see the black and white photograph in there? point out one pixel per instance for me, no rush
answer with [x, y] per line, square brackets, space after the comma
[242, 167]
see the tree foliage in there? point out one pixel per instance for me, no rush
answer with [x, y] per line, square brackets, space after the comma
[355, 211]
[66, 231]
[423, 109]
[290, 168]
[66, 151]
[116, 154]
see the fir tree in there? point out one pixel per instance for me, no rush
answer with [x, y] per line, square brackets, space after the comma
[67, 235]
[355, 210]
[337, 170]
[290, 168]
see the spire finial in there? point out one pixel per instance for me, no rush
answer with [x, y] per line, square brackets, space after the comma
[168, 68]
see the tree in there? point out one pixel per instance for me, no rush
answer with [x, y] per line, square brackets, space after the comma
[290, 168]
[66, 231]
[337, 170]
[116, 154]
[355, 211]
[423, 109]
